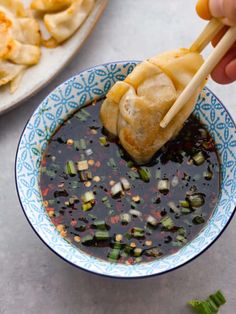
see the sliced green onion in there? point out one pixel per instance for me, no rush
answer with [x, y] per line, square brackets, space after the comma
[73, 199]
[208, 175]
[175, 181]
[70, 168]
[163, 186]
[88, 197]
[152, 221]
[137, 252]
[85, 175]
[125, 218]
[181, 238]
[138, 259]
[100, 224]
[107, 204]
[92, 216]
[103, 141]
[86, 113]
[184, 204]
[158, 174]
[80, 228]
[116, 189]
[167, 222]
[196, 200]
[76, 145]
[144, 174]
[102, 235]
[86, 206]
[125, 183]
[197, 177]
[218, 298]
[133, 175]
[153, 252]
[87, 240]
[130, 163]
[135, 213]
[137, 232]
[197, 220]
[114, 255]
[185, 210]
[74, 184]
[111, 163]
[104, 199]
[182, 231]
[120, 152]
[198, 158]
[82, 144]
[133, 205]
[209, 306]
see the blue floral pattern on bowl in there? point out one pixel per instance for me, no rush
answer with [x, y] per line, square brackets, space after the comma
[81, 89]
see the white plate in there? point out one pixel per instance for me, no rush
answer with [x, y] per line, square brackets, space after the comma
[52, 61]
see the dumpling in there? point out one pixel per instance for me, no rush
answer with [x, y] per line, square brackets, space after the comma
[19, 38]
[134, 108]
[19, 42]
[62, 25]
[9, 71]
[50, 5]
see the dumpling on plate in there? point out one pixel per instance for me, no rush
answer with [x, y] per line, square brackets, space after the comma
[10, 72]
[10, 47]
[133, 109]
[62, 25]
[50, 5]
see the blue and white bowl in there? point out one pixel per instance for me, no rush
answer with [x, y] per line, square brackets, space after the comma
[81, 89]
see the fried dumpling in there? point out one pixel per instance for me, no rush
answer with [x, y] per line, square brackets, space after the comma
[62, 25]
[134, 108]
[18, 40]
[9, 71]
[50, 5]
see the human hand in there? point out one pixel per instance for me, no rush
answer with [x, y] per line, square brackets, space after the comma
[225, 72]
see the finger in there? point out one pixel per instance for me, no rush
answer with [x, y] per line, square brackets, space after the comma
[229, 10]
[216, 8]
[230, 70]
[223, 73]
[203, 10]
[225, 9]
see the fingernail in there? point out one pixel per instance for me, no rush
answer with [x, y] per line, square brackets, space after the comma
[216, 7]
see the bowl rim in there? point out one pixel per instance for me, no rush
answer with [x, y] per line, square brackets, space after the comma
[86, 269]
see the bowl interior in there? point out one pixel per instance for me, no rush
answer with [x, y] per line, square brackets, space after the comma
[78, 91]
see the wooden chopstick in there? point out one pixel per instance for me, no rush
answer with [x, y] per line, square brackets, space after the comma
[206, 36]
[217, 54]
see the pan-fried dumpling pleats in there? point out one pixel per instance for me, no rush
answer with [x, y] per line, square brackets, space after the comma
[9, 71]
[50, 5]
[19, 42]
[134, 108]
[62, 25]
[12, 49]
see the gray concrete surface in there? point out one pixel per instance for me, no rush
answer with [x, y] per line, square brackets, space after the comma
[35, 281]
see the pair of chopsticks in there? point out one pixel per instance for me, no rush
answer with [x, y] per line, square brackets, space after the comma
[212, 28]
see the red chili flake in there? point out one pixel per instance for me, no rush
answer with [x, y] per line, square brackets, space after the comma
[73, 222]
[156, 214]
[45, 191]
[48, 209]
[130, 261]
[115, 219]
[43, 162]
[56, 220]
[119, 206]
[97, 164]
